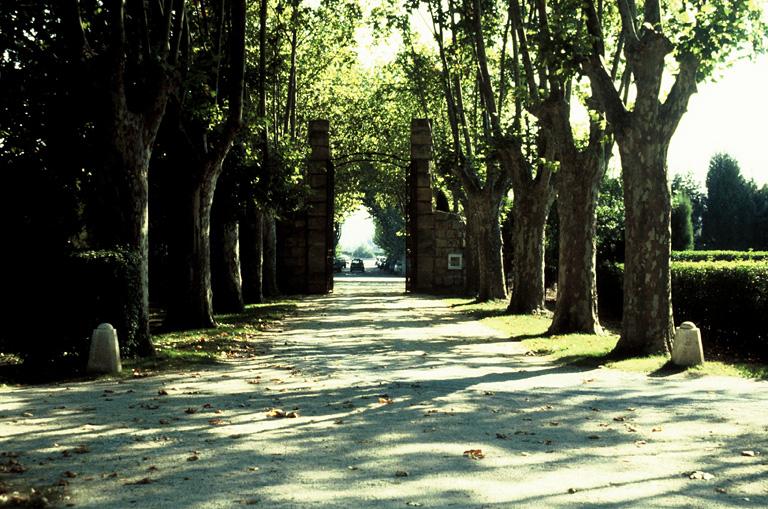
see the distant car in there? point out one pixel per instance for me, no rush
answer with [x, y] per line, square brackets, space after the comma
[339, 264]
[357, 265]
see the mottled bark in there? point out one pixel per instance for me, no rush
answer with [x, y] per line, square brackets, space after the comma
[252, 255]
[133, 137]
[483, 214]
[227, 278]
[647, 325]
[530, 211]
[643, 135]
[269, 271]
[578, 183]
[472, 270]
[191, 305]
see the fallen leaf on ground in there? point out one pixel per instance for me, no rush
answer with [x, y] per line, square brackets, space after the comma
[620, 418]
[194, 457]
[474, 454]
[145, 480]
[70, 474]
[698, 474]
[748, 453]
[385, 400]
[162, 392]
[401, 473]
[190, 410]
[657, 429]
[501, 436]
[217, 422]
[572, 490]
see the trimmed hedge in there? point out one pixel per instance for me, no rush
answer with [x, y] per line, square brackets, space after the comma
[727, 300]
[714, 256]
[64, 298]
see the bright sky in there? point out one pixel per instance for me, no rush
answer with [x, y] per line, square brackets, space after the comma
[357, 229]
[727, 116]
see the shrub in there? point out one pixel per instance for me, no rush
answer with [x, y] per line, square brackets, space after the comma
[713, 256]
[727, 300]
[70, 296]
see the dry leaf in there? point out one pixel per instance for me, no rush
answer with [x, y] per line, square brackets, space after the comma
[70, 474]
[475, 454]
[194, 457]
[698, 474]
[276, 412]
[385, 400]
[217, 422]
[748, 453]
[657, 429]
[190, 410]
[401, 473]
[162, 392]
[620, 418]
[145, 480]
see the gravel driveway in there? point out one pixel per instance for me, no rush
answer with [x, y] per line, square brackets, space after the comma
[391, 400]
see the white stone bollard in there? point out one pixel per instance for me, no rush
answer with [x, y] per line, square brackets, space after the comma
[687, 349]
[104, 356]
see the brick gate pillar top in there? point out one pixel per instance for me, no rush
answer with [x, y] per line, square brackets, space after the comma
[319, 140]
[421, 139]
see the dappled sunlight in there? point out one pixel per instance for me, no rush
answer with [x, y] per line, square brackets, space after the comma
[389, 392]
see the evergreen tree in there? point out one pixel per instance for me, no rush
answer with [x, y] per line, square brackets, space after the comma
[730, 214]
[682, 224]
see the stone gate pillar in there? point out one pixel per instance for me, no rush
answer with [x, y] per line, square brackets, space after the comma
[320, 176]
[420, 244]
[435, 239]
[305, 239]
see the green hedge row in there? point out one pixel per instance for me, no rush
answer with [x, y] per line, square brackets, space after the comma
[64, 298]
[713, 256]
[728, 301]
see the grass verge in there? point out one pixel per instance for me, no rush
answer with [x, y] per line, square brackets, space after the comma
[588, 350]
[238, 336]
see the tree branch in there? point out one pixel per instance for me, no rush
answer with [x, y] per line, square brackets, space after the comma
[684, 87]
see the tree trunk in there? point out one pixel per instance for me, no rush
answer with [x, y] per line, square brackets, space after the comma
[530, 212]
[484, 214]
[191, 307]
[227, 279]
[472, 282]
[269, 270]
[578, 187]
[252, 255]
[647, 326]
[133, 147]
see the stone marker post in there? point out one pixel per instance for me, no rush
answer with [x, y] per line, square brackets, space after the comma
[687, 349]
[104, 355]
